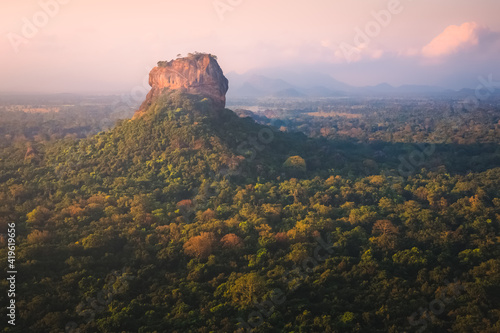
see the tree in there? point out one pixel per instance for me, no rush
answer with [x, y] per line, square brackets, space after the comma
[362, 215]
[38, 216]
[246, 290]
[200, 246]
[295, 166]
[298, 254]
[385, 234]
[384, 227]
[38, 236]
[232, 241]
[410, 257]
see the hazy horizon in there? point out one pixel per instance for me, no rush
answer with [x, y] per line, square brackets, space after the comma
[56, 46]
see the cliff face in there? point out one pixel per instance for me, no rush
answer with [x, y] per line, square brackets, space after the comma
[198, 74]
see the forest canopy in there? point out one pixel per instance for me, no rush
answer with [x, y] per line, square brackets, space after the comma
[188, 221]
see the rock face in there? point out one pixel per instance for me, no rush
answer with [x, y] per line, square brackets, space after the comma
[197, 74]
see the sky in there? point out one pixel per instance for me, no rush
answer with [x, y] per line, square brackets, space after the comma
[91, 46]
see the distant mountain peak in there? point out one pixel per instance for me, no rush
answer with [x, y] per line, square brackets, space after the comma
[197, 74]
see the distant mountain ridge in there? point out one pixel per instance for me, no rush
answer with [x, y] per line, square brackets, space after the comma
[314, 84]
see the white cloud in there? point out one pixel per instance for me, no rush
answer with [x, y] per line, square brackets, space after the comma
[453, 39]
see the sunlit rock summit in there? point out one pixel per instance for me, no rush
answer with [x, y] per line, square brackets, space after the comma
[197, 74]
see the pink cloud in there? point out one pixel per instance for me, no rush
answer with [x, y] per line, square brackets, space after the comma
[453, 39]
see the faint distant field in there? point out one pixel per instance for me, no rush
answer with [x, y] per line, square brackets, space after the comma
[32, 109]
[330, 114]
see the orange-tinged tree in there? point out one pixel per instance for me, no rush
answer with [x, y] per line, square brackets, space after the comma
[200, 246]
[232, 241]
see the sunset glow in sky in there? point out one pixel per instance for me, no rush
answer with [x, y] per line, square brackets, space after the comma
[110, 46]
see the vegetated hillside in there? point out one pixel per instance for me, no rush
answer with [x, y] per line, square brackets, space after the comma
[180, 141]
[191, 219]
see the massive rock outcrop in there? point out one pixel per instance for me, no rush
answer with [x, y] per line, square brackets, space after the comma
[196, 74]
